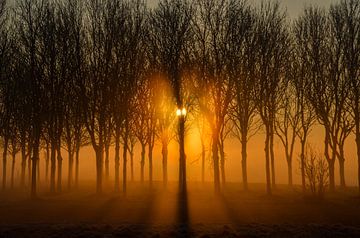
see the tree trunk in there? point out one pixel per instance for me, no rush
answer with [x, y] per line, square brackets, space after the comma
[164, 152]
[150, 164]
[35, 159]
[142, 162]
[267, 161]
[29, 168]
[52, 168]
[59, 177]
[117, 161]
[29, 162]
[215, 154]
[332, 175]
[38, 170]
[302, 161]
[33, 177]
[13, 169]
[125, 149]
[77, 154]
[331, 161]
[182, 160]
[357, 139]
[70, 169]
[132, 164]
[99, 169]
[23, 162]
[203, 157]
[222, 163]
[244, 160]
[272, 157]
[6, 141]
[342, 166]
[107, 168]
[290, 177]
[47, 160]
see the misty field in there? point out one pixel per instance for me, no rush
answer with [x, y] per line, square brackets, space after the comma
[156, 212]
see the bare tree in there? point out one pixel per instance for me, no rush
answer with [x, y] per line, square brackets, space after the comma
[170, 34]
[242, 63]
[287, 125]
[165, 120]
[6, 87]
[306, 113]
[131, 149]
[140, 109]
[327, 89]
[349, 12]
[95, 88]
[130, 60]
[30, 15]
[14, 148]
[273, 42]
[69, 20]
[210, 31]
[316, 173]
[202, 127]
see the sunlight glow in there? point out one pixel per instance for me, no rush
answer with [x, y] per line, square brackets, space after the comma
[181, 112]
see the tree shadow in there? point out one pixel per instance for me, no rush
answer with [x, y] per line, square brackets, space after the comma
[182, 227]
[229, 211]
[146, 213]
[105, 209]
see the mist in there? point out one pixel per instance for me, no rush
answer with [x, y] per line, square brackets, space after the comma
[178, 118]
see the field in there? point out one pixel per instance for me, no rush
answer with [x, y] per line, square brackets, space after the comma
[158, 212]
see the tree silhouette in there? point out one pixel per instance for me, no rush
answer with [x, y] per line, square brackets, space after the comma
[242, 63]
[170, 35]
[273, 43]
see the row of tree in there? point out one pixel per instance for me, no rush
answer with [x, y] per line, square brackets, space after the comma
[111, 73]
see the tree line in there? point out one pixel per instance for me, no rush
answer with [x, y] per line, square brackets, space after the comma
[115, 73]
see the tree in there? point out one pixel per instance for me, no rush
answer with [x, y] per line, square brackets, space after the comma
[170, 35]
[95, 86]
[316, 173]
[202, 127]
[273, 43]
[165, 120]
[242, 63]
[211, 34]
[327, 90]
[13, 149]
[129, 66]
[349, 12]
[306, 113]
[70, 30]
[50, 46]
[140, 109]
[287, 125]
[7, 90]
[29, 16]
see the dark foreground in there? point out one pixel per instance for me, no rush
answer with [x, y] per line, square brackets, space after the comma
[155, 212]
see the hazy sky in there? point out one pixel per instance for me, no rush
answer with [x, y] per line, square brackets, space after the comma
[294, 7]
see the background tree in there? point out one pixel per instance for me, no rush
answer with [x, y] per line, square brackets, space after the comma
[273, 52]
[165, 121]
[327, 89]
[242, 63]
[287, 125]
[29, 16]
[140, 121]
[170, 35]
[212, 41]
[350, 12]
[95, 85]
